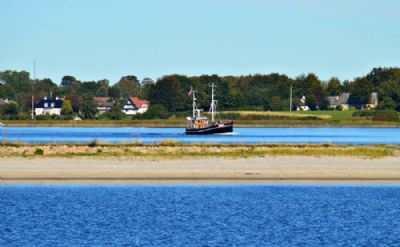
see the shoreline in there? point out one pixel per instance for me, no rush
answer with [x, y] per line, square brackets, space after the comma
[181, 123]
[255, 170]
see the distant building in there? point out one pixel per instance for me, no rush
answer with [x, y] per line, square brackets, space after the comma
[339, 102]
[303, 106]
[49, 106]
[104, 104]
[343, 102]
[135, 106]
[372, 102]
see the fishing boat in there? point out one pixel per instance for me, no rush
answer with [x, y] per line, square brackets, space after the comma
[200, 125]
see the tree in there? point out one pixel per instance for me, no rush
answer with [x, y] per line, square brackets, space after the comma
[88, 107]
[129, 86]
[312, 102]
[102, 88]
[361, 90]
[67, 81]
[16, 85]
[114, 92]
[156, 111]
[387, 104]
[146, 86]
[311, 85]
[171, 93]
[114, 114]
[67, 108]
[8, 110]
[275, 103]
[334, 87]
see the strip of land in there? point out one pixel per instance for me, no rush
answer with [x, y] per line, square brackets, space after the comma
[170, 162]
[129, 170]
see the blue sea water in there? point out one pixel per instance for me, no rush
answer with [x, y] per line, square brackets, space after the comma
[352, 136]
[256, 215]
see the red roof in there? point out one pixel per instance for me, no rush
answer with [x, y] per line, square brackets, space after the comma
[139, 103]
[102, 99]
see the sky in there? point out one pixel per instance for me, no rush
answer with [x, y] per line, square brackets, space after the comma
[108, 39]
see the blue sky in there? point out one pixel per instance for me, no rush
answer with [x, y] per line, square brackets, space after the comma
[97, 39]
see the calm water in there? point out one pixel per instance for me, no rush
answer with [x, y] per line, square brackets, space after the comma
[199, 215]
[241, 135]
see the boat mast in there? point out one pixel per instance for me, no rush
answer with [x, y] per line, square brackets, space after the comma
[194, 102]
[213, 105]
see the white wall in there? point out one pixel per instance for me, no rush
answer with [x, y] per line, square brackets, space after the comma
[47, 111]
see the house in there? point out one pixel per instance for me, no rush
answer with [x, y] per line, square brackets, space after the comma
[135, 106]
[339, 102]
[104, 104]
[303, 106]
[49, 106]
[372, 102]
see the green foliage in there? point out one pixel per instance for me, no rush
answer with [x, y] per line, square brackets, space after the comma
[53, 117]
[114, 114]
[249, 92]
[361, 90]
[154, 112]
[128, 86]
[275, 103]
[171, 93]
[312, 102]
[364, 113]
[67, 108]
[387, 116]
[334, 87]
[88, 107]
[39, 151]
[384, 115]
[8, 111]
[386, 104]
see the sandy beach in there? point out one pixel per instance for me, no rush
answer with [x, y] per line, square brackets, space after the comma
[280, 169]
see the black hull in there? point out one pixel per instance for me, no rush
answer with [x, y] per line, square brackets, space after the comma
[214, 129]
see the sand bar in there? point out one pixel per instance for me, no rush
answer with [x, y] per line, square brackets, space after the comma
[281, 169]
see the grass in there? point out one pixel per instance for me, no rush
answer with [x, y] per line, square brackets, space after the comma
[278, 119]
[176, 150]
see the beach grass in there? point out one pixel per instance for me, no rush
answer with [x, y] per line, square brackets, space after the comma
[175, 150]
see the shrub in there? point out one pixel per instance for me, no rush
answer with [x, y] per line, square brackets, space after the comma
[114, 114]
[387, 116]
[154, 112]
[39, 151]
[92, 144]
[364, 113]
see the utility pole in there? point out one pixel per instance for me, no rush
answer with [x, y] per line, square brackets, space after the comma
[291, 92]
[33, 97]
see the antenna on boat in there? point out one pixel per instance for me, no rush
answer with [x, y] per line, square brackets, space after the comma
[213, 105]
[193, 94]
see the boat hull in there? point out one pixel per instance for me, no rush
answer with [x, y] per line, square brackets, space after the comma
[209, 130]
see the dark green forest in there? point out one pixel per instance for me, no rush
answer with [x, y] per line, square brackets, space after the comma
[249, 92]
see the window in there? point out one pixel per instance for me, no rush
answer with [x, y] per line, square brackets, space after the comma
[52, 105]
[46, 105]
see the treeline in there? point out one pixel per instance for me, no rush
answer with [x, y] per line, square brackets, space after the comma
[250, 92]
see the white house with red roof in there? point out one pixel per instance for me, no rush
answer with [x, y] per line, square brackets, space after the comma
[135, 106]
